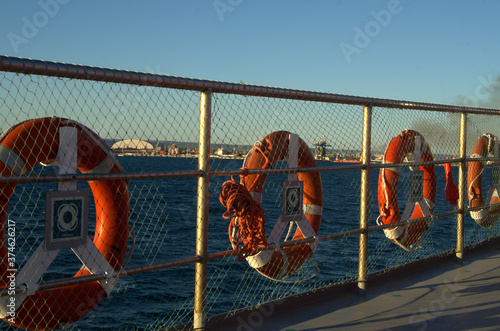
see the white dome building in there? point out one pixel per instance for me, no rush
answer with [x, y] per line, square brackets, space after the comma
[132, 146]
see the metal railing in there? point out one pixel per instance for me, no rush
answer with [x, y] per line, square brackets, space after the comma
[207, 90]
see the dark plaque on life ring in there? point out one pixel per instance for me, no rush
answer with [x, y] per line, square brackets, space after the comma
[66, 219]
[291, 200]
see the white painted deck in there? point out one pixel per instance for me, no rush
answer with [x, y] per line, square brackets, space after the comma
[449, 296]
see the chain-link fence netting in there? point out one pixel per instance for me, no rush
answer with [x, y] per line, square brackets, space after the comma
[125, 158]
[120, 129]
[259, 129]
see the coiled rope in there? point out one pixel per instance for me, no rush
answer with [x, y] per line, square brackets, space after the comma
[246, 228]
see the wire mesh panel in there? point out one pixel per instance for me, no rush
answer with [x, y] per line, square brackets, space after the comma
[255, 133]
[120, 129]
[405, 193]
[441, 132]
[482, 179]
[102, 191]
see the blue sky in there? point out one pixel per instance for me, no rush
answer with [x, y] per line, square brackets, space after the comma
[431, 51]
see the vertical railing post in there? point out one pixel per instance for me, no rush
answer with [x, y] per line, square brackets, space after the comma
[200, 300]
[461, 188]
[364, 200]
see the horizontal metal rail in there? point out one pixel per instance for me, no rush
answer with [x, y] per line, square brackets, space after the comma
[196, 173]
[494, 205]
[96, 177]
[64, 70]
[49, 285]
[375, 165]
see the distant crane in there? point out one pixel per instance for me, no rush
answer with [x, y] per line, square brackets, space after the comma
[321, 147]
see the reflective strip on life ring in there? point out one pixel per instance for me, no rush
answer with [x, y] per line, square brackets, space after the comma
[397, 150]
[275, 146]
[488, 216]
[37, 141]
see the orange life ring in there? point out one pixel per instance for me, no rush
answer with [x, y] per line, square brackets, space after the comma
[397, 150]
[273, 148]
[37, 141]
[488, 216]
